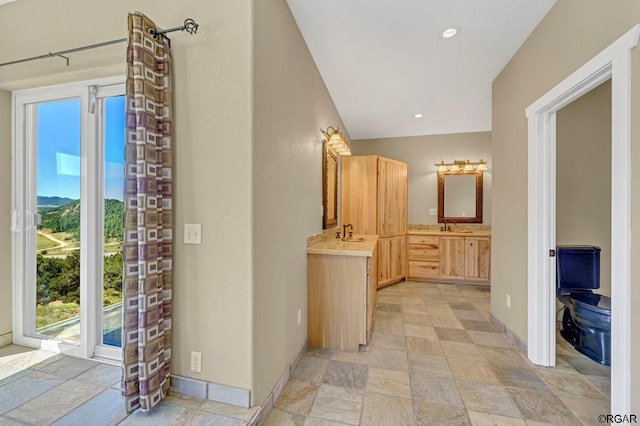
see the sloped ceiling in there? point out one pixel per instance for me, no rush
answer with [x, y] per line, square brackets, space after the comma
[385, 60]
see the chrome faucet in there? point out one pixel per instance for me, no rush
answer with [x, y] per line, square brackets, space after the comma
[444, 225]
[344, 230]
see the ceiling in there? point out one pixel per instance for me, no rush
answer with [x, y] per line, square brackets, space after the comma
[385, 60]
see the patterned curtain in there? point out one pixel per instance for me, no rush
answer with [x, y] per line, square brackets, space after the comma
[148, 218]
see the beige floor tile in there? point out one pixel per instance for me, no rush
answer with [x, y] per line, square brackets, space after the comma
[587, 410]
[586, 366]
[297, 396]
[345, 374]
[391, 360]
[282, 418]
[453, 335]
[393, 326]
[101, 375]
[472, 370]
[386, 341]
[388, 382]
[419, 319]
[55, 403]
[473, 314]
[542, 407]
[423, 346]
[385, 410]
[426, 387]
[418, 330]
[338, 404]
[482, 325]
[315, 421]
[503, 356]
[570, 384]
[461, 350]
[603, 384]
[353, 357]
[311, 369]
[434, 365]
[519, 377]
[486, 338]
[428, 414]
[485, 419]
[446, 322]
[487, 398]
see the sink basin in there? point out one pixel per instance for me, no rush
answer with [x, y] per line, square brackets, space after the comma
[354, 239]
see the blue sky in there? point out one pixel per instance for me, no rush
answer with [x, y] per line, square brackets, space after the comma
[59, 148]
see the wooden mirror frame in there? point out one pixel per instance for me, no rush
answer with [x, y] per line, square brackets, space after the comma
[329, 191]
[478, 217]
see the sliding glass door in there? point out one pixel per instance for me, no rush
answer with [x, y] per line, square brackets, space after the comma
[68, 214]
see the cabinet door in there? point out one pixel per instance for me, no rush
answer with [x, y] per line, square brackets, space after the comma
[392, 259]
[477, 258]
[392, 197]
[359, 199]
[452, 257]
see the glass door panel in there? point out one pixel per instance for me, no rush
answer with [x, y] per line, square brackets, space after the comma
[57, 302]
[113, 136]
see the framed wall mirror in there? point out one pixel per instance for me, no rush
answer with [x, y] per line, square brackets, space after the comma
[460, 196]
[329, 187]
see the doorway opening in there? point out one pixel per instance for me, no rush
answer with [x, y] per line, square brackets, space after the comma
[613, 63]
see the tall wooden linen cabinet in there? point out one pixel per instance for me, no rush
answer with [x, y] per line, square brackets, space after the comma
[374, 201]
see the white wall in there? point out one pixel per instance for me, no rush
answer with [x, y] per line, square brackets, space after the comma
[583, 176]
[213, 119]
[421, 153]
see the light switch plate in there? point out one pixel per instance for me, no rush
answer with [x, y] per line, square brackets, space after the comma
[192, 233]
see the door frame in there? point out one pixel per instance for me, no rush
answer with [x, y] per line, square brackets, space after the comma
[613, 63]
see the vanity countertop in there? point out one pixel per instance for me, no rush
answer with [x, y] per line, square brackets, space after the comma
[338, 247]
[460, 233]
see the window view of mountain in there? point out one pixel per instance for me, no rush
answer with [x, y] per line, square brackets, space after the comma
[58, 258]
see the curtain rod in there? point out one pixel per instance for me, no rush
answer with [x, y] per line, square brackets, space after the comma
[189, 26]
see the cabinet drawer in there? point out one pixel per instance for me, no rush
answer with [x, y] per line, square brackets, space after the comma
[428, 252]
[424, 269]
[424, 239]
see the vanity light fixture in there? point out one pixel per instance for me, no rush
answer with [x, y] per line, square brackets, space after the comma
[461, 166]
[335, 141]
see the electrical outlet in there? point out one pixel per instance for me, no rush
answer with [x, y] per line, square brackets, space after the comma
[508, 301]
[196, 362]
[299, 316]
[433, 212]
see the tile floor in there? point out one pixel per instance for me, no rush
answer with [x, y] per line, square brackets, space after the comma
[43, 388]
[434, 359]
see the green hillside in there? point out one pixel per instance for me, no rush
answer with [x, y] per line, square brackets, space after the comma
[66, 218]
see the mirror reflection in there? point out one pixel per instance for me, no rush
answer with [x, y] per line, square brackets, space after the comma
[460, 196]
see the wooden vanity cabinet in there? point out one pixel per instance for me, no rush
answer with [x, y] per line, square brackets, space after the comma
[374, 201]
[452, 258]
[477, 258]
[449, 258]
[341, 294]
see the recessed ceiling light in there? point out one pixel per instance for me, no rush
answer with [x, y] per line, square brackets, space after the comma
[449, 32]
[418, 115]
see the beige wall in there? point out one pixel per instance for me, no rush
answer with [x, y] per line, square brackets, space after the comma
[291, 105]
[212, 281]
[421, 153]
[572, 32]
[583, 176]
[5, 213]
